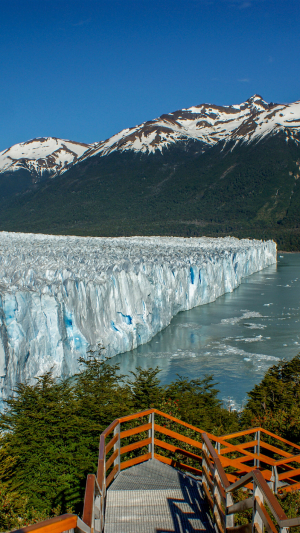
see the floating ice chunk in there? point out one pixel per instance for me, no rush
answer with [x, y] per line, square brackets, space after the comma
[236, 319]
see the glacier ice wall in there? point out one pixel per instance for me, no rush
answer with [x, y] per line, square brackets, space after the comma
[61, 295]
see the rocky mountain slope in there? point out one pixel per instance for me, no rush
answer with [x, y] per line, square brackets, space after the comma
[44, 155]
[206, 170]
[209, 124]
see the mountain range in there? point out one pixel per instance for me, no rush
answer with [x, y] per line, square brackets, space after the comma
[205, 170]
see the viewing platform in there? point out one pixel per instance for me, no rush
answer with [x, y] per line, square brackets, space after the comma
[158, 474]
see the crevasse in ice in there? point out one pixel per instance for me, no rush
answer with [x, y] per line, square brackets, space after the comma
[60, 296]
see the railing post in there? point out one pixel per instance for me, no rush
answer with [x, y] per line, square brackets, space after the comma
[117, 461]
[204, 449]
[274, 479]
[218, 447]
[257, 448]
[151, 435]
[229, 517]
[215, 508]
[98, 517]
[256, 518]
[101, 473]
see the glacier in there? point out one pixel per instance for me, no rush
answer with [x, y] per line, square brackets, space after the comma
[61, 296]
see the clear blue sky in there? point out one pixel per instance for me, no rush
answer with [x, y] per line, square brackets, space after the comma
[84, 70]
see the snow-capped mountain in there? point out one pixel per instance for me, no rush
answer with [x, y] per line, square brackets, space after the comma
[251, 120]
[41, 155]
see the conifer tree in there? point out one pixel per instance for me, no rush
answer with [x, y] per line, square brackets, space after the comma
[275, 402]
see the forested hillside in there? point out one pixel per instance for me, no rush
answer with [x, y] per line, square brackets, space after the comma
[248, 190]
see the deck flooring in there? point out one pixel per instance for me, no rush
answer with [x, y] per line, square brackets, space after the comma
[153, 497]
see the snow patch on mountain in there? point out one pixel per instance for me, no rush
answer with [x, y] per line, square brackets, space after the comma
[38, 156]
[207, 123]
[61, 295]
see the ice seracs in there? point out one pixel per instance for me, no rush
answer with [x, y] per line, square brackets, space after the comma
[61, 295]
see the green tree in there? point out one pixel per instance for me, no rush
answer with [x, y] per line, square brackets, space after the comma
[199, 404]
[275, 402]
[145, 388]
[39, 431]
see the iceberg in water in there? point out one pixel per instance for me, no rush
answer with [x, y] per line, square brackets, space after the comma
[60, 296]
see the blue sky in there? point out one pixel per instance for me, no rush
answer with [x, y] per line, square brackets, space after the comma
[84, 70]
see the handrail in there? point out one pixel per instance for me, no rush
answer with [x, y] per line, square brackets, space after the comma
[218, 491]
[217, 461]
[58, 524]
[93, 508]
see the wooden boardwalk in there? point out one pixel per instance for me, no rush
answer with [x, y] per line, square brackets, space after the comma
[153, 497]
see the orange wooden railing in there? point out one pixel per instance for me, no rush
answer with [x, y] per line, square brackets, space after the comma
[218, 491]
[59, 524]
[179, 444]
[231, 452]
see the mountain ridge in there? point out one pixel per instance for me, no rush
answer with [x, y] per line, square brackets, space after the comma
[206, 123]
[244, 183]
[42, 154]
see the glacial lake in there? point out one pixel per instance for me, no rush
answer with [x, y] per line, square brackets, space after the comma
[236, 338]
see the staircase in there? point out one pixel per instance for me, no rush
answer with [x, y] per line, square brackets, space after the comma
[184, 481]
[153, 497]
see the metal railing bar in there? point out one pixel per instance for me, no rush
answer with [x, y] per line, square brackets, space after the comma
[263, 513]
[272, 502]
[240, 482]
[208, 462]
[218, 522]
[82, 527]
[289, 522]
[209, 482]
[241, 506]
[208, 496]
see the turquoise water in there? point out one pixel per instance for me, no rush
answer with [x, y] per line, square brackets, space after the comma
[236, 338]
